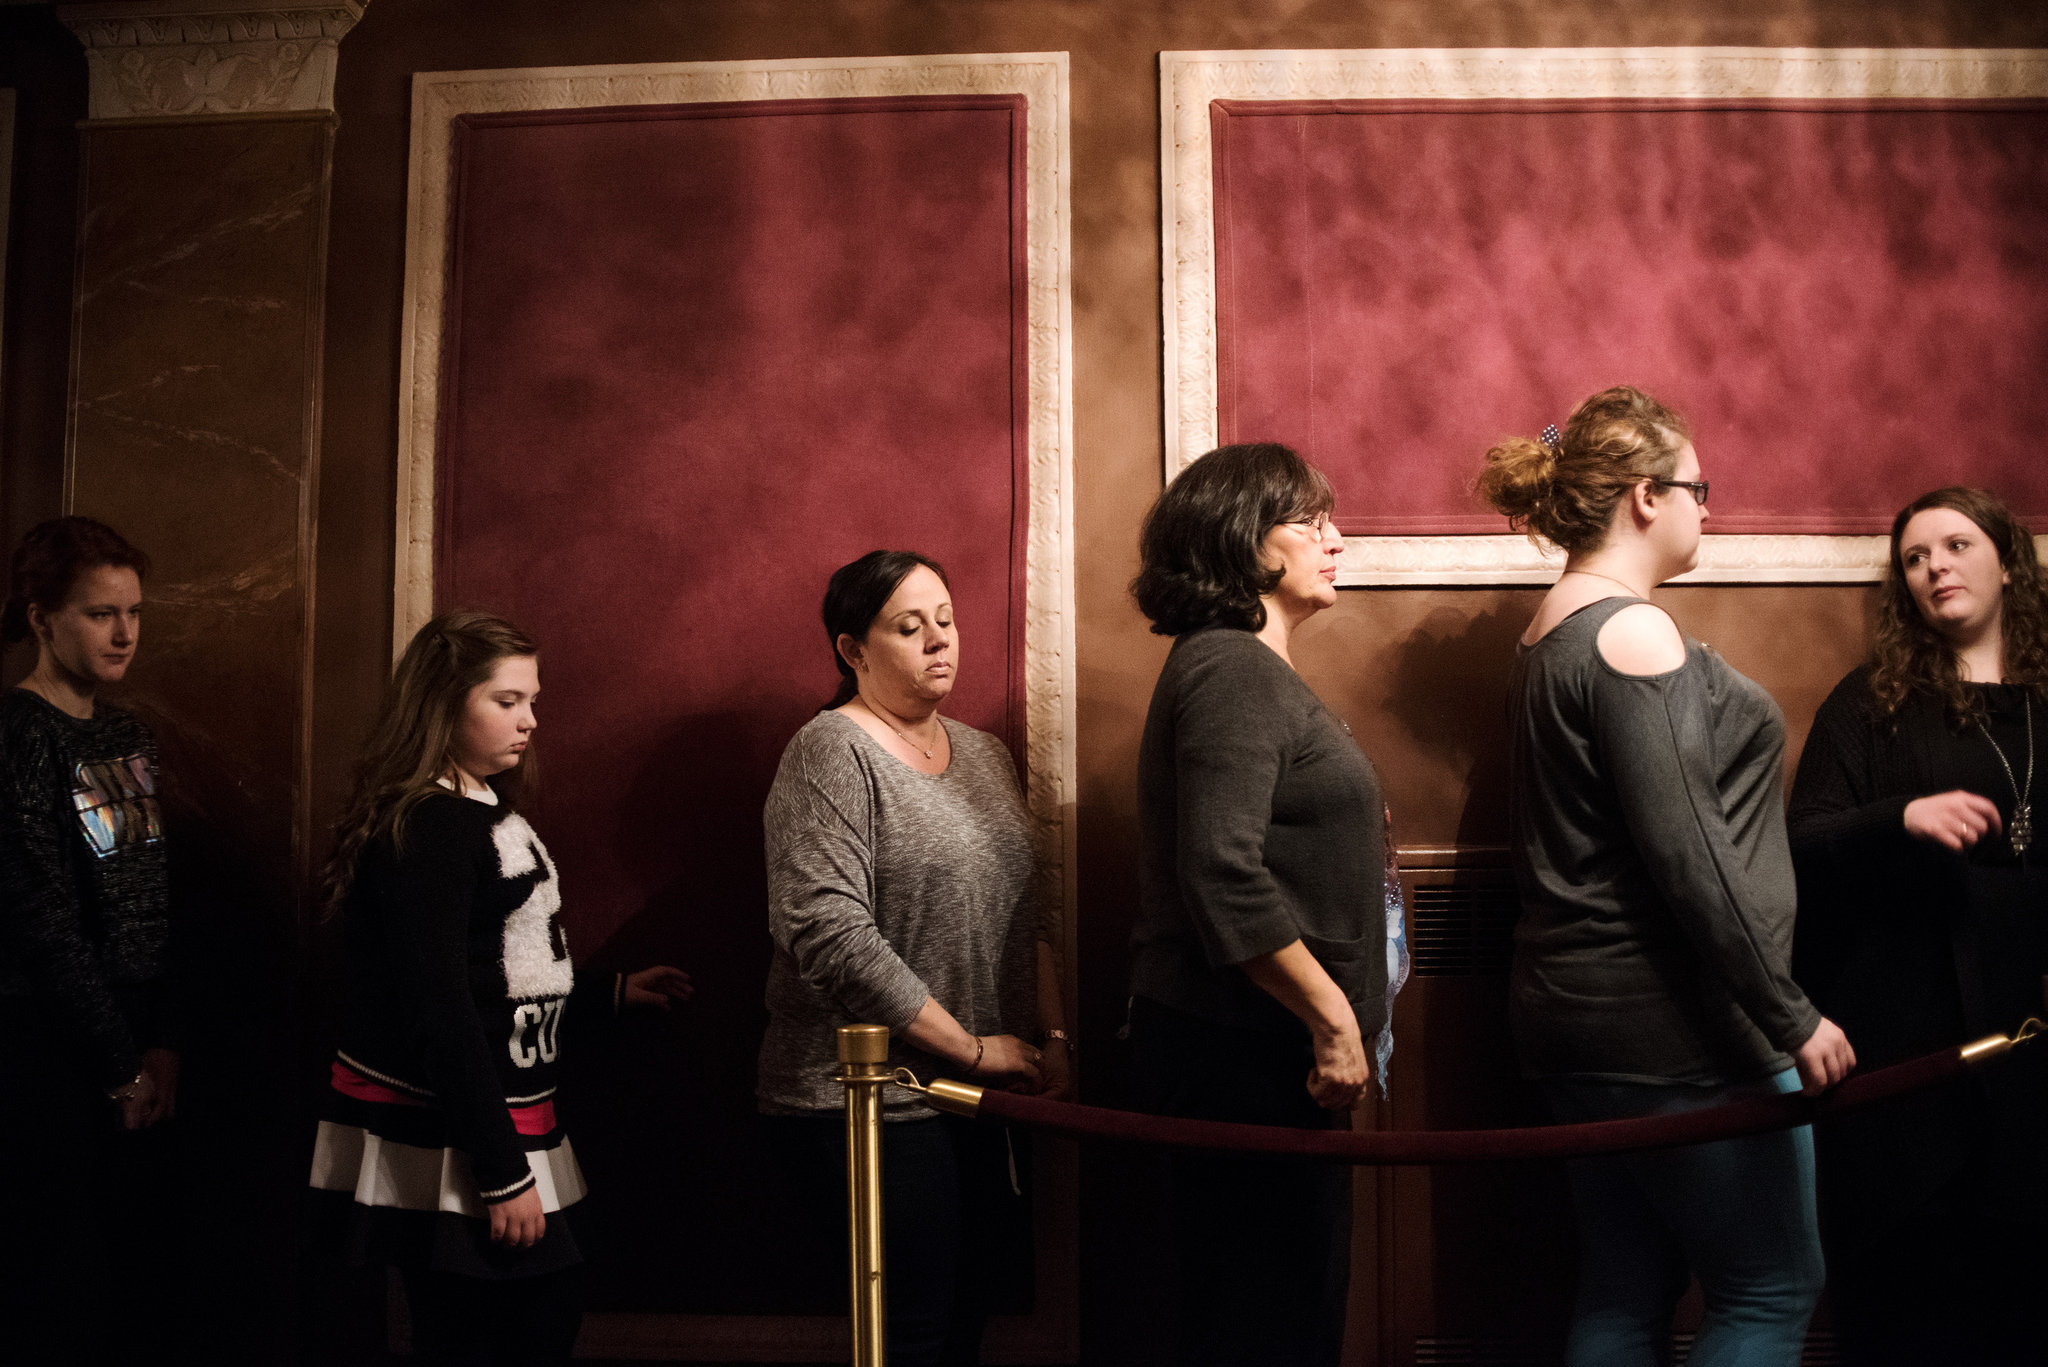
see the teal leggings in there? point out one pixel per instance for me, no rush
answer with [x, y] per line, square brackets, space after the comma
[1738, 1214]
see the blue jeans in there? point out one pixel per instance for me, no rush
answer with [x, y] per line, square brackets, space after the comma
[1739, 1214]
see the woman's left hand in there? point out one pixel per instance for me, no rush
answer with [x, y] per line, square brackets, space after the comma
[162, 1067]
[1055, 1071]
[657, 986]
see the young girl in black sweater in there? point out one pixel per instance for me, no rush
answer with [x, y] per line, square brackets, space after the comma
[439, 1153]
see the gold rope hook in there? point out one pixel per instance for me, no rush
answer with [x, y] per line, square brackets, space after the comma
[1991, 1046]
[957, 1098]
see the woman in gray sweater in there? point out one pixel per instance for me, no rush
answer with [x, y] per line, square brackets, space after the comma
[904, 890]
[1652, 962]
[1260, 971]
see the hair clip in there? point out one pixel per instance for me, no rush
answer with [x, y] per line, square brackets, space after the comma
[1550, 440]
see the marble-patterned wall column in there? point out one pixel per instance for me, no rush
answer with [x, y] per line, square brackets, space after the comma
[195, 389]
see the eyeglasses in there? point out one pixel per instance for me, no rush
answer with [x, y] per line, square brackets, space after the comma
[1698, 487]
[1317, 526]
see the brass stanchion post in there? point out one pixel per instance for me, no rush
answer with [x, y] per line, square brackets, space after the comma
[864, 1064]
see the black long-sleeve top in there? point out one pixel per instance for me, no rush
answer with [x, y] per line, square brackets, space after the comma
[1648, 835]
[1911, 947]
[459, 976]
[85, 916]
[1262, 824]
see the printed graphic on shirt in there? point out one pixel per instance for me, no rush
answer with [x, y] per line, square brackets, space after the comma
[536, 949]
[536, 1032]
[116, 803]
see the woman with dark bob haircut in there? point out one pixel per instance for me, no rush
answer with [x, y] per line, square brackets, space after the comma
[1260, 981]
[88, 1074]
[1923, 923]
[905, 890]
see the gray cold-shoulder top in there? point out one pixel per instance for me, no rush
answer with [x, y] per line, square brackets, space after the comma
[1648, 834]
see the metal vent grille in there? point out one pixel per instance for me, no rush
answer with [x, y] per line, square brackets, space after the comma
[1462, 929]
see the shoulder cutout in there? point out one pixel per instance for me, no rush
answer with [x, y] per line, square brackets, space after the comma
[1642, 640]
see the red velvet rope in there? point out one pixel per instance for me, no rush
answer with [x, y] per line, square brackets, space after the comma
[1399, 1147]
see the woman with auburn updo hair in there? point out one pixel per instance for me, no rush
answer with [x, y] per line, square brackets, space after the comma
[1652, 968]
[905, 890]
[438, 1152]
[1923, 924]
[1261, 974]
[87, 1071]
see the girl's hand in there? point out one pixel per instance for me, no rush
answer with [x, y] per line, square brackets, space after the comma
[519, 1222]
[656, 987]
[1955, 819]
[1825, 1059]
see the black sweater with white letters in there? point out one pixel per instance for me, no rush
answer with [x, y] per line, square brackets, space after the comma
[459, 976]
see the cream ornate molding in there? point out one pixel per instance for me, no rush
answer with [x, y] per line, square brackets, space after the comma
[174, 58]
[1189, 81]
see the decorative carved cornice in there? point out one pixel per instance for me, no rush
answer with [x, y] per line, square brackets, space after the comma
[1188, 81]
[176, 58]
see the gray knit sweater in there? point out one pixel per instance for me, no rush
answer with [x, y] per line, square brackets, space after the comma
[887, 886]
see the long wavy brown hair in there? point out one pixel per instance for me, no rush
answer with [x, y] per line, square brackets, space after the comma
[412, 745]
[1909, 656]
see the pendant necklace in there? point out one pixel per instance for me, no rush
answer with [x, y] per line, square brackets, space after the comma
[886, 720]
[2022, 810]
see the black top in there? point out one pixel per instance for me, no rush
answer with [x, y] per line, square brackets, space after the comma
[1912, 948]
[1648, 833]
[459, 975]
[85, 924]
[1261, 824]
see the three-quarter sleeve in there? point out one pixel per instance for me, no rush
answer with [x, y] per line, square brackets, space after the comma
[1656, 736]
[41, 914]
[430, 887]
[1228, 751]
[818, 826]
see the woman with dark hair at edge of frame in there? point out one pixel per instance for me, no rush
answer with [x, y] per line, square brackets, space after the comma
[1923, 924]
[1261, 975]
[439, 1153]
[88, 1073]
[906, 889]
[1652, 970]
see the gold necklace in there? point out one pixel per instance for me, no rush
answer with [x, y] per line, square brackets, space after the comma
[887, 718]
[1595, 574]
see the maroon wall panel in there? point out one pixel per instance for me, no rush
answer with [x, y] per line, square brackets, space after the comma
[697, 357]
[1850, 302]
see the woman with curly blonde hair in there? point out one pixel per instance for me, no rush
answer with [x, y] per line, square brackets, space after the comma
[1923, 923]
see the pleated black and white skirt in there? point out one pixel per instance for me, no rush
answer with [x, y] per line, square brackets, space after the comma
[389, 1189]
